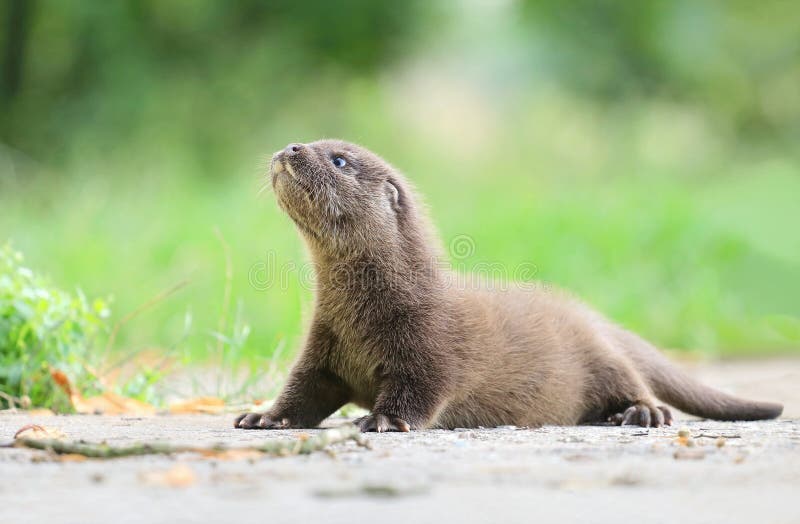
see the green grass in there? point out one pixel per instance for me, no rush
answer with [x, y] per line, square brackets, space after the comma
[650, 213]
[43, 330]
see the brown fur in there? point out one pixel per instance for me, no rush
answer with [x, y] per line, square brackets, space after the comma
[394, 333]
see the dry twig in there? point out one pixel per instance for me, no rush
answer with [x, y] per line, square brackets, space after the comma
[283, 447]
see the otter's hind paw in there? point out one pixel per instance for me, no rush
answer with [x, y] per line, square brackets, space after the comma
[645, 415]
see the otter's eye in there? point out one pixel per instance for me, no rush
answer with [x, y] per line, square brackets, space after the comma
[339, 162]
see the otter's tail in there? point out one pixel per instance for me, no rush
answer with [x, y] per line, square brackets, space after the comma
[678, 389]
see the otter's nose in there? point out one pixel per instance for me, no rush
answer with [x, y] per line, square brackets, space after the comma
[293, 149]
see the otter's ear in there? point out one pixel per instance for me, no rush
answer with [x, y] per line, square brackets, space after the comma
[394, 195]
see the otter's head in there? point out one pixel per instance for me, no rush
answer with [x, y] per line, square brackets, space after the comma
[341, 196]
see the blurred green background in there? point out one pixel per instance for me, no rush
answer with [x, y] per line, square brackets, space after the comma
[641, 154]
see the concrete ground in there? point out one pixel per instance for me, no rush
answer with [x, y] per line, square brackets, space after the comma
[734, 472]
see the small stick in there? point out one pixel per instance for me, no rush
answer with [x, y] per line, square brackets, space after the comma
[12, 401]
[284, 447]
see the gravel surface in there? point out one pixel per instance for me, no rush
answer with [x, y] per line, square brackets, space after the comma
[731, 472]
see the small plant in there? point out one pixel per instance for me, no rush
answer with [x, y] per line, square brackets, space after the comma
[42, 329]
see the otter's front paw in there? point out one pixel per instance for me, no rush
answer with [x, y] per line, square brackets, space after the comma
[381, 423]
[644, 415]
[259, 421]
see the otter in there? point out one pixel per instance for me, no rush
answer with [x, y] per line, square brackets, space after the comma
[392, 333]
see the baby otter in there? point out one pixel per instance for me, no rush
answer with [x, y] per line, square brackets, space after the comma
[392, 332]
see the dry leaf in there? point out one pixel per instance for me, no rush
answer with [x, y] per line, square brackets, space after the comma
[232, 454]
[37, 432]
[178, 476]
[60, 378]
[40, 412]
[71, 457]
[208, 405]
[107, 403]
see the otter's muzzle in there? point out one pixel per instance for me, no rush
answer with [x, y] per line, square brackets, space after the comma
[281, 159]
